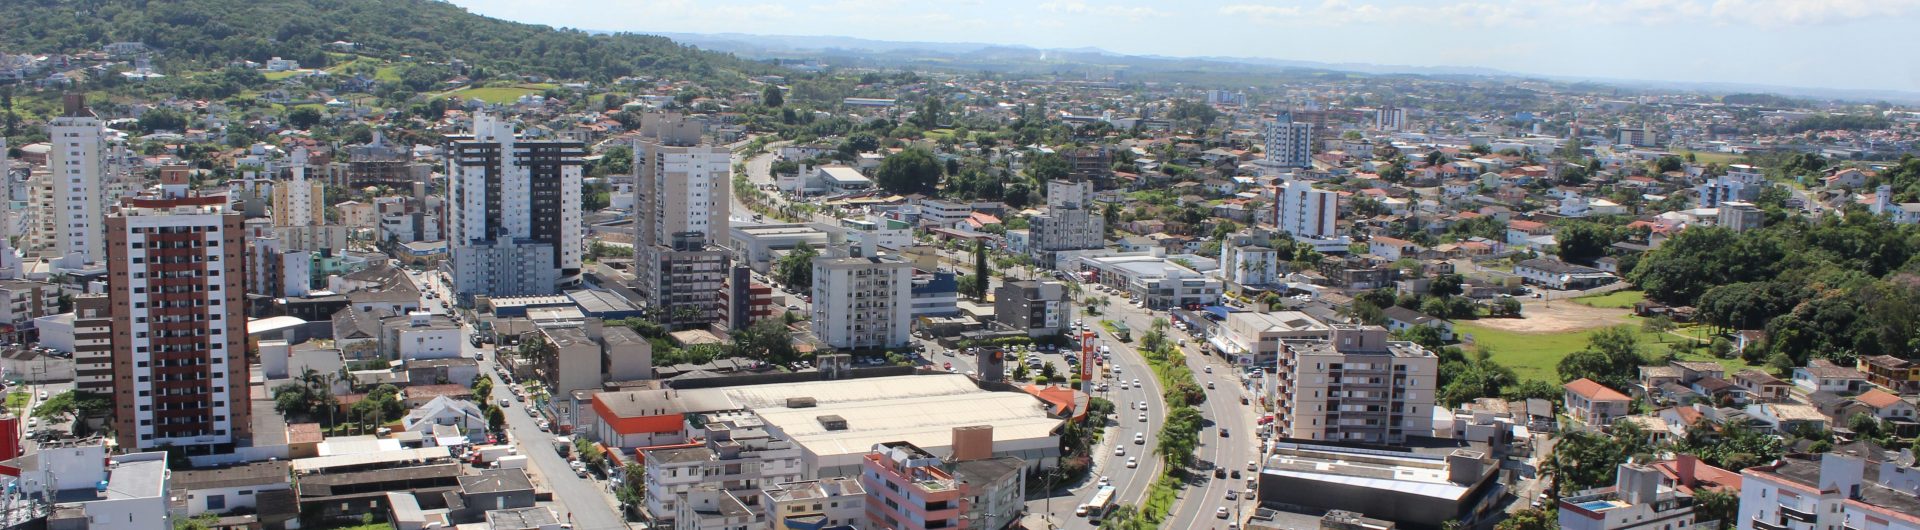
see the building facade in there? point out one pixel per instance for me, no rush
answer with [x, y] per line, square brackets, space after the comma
[1070, 222]
[1356, 386]
[681, 207]
[1306, 212]
[862, 302]
[909, 490]
[78, 166]
[179, 324]
[1288, 144]
[514, 211]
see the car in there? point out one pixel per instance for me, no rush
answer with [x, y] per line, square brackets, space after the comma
[43, 394]
[1143, 417]
[1223, 432]
[1105, 481]
[1251, 484]
[1132, 462]
[1243, 400]
[1253, 466]
[1221, 512]
[543, 425]
[1136, 382]
[793, 307]
[948, 366]
[1143, 403]
[1080, 511]
[1209, 385]
[1236, 474]
[1208, 369]
[1232, 495]
[504, 402]
[1139, 438]
[1119, 451]
[479, 356]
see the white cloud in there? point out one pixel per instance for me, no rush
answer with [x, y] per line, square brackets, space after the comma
[1077, 7]
[1497, 13]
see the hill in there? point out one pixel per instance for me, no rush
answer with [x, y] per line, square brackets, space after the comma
[206, 34]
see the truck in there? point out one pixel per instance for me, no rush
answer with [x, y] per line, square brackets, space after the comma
[511, 462]
[562, 445]
[490, 453]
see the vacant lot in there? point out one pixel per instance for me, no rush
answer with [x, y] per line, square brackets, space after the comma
[1613, 300]
[1532, 346]
[500, 94]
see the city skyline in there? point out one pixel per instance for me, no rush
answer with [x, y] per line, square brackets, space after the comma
[1784, 43]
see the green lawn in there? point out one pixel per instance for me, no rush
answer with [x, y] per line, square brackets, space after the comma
[1614, 300]
[276, 76]
[1536, 355]
[1705, 157]
[17, 402]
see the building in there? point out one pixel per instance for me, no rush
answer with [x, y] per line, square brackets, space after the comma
[823, 503]
[298, 201]
[996, 489]
[1039, 308]
[1251, 338]
[90, 490]
[23, 301]
[681, 208]
[1821, 375]
[1410, 489]
[1308, 213]
[1556, 274]
[739, 454]
[231, 489]
[1636, 136]
[1389, 119]
[909, 490]
[1160, 281]
[1901, 375]
[1831, 490]
[1288, 144]
[863, 301]
[756, 245]
[1595, 406]
[179, 327]
[1740, 216]
[1069, 223]
[1647, 497]
[93, 351]
[513, 212]
[78, 167]
[935, 294]
[1356, 385]
[1250, 265]
[745, 301]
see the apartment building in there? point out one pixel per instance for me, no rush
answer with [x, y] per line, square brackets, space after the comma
[824, 503]
[862, 301]
[681, 206]
[22, 301]
[910, 490]
[1306, 212]
[1834, 490]
[78, 166]
[1647, 497]
[1070, 222]
[739, 454]
[92, 344]
[179, 324]
[1288, 144]
[1356, 385]
[1250, 265]
[299, 201]
[513, 224]
[1389, 119]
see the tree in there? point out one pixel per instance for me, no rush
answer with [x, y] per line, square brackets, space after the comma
[1862, 424]
[1530, 519]
[1658, 325]
[483, 388]
[1715, 505]
[913, 170]
[1446, 285]
[162, 119]
[1047, 167]
[795, 269]
[303, 117]
[766, 340]
[983, 274]
[771, 96]
[57, 408]
[1507, 306]
[496, 418]
[1583, 242]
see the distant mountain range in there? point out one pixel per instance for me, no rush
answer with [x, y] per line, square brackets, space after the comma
[1016, 58]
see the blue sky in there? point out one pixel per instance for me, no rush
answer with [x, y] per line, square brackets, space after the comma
[1853, 44]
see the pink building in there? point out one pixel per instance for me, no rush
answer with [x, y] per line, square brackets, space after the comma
[907, 489]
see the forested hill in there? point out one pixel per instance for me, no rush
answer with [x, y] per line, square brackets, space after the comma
[206, 34]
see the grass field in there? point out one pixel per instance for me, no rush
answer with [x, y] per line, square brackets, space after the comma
[17, 402]
[1614, 300]
[276, 76]
[1705, 157]
[1536, 355]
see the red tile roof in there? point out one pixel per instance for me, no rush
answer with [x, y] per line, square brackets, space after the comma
[1878, 399]
[1595, 391]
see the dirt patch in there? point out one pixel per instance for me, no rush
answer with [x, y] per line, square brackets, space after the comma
[1558, 317]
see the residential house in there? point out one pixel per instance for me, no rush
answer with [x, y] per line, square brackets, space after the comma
[1821, 375]
[1901, 375]
[1401, 319]
[1594, 405]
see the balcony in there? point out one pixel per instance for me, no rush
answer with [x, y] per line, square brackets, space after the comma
[1764, 525]
[1797, 515]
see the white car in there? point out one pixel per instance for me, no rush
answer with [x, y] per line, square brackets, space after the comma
[1136, 382]
[1119, 451]
[1232, 496]
[1104, 481]
[1143, 417]
[1143, 403]
[1139, 438]
[1132, 462]
[1208, 369]
[1220, 513]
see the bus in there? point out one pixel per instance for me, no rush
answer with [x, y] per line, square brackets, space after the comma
[1098, 506]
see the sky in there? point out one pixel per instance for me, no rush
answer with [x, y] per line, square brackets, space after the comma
[1847, 44]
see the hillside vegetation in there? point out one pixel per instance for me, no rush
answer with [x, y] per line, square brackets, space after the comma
[207, 34]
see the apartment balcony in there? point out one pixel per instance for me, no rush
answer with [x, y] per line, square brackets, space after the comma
[1797, 515]
[1765, 525]
[952, 512]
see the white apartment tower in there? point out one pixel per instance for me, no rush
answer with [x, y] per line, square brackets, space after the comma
[1390, 118]
[1355, 386]
[514, 220]
[682, 198]
[77, 164]
[175, 276]
[298, 201]
[1306, 212]
[1289, 144]
[862, 300]
[1070, 222]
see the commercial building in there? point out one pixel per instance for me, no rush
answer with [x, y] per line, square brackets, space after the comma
[1357, 386]
[862, 301]
[756, 245]
[78, 166]
[681, 208]
[1646, 497]
[1250, 265]
[1410, 489]
[514, 212]
[935, 294]
[1039, 308]
[1389, 119]
[1158, 280]
[1557, 274]
[179, 324]
[1831, 490]
[1069, 223]
[90, 490]
[1249, 338]
[1288, 144]
[911, 491]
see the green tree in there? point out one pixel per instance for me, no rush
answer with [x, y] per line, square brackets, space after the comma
[162, 119]
[1530, 519]
[1715, 505]
[303, 117]
[771, 96]
[795, 269]
[60, 407]
[1658, 326]
[1048, 166]
[913, 170]
[496, 418]
[982, 274]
